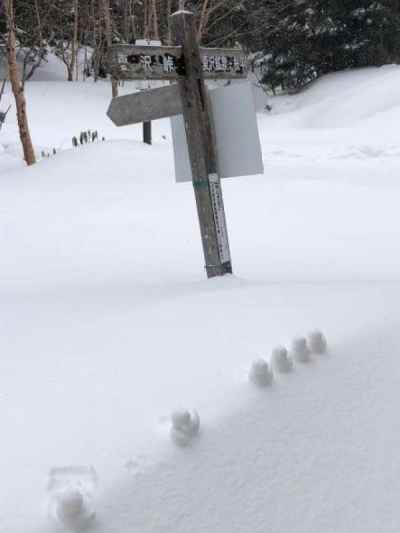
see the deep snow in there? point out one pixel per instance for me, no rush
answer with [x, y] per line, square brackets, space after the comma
[108, 325]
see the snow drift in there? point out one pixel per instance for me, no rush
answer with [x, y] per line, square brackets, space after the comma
[107, 323]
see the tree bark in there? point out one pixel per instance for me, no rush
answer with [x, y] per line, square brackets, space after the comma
[108, 26]
[75, 44]
[17, 87]
[156, 32]
[169, 30]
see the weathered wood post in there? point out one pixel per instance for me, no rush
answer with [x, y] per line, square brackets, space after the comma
[202, 148]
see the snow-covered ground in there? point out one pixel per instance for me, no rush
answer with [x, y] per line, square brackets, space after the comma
[107, 323]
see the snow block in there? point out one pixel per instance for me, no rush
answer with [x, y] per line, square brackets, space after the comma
[185, 426]
[300, 351]
[280, 360]
[317, 342]
[260, 373]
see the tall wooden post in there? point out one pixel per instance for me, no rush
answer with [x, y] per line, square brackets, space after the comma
[202, 148]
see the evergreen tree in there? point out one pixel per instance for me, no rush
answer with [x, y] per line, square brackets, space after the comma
[308, 38]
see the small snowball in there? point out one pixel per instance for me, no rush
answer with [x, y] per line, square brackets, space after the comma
[300, 350]
[260, 373]
[185, 426]
[69, 506]
[71, 509]
[181, 419]
[281, 361]
[70, 494]
[317, 342]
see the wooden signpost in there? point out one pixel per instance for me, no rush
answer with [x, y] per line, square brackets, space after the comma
[188, 66]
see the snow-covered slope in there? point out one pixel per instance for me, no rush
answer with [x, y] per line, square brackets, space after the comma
[107, 323]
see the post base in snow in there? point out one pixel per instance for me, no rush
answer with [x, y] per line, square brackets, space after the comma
[219, 270]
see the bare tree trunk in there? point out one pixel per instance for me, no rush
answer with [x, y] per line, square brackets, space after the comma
[75, 44]
[17, 87]
[39, 22]
[203, 20]
[108, 26]
[169, 29]
[132, 19]
[210, 7]
[156, 31]
[147, 19]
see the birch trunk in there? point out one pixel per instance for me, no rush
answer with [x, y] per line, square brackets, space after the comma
[17, 87]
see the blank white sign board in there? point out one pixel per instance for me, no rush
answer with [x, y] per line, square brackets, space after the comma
[236, 130]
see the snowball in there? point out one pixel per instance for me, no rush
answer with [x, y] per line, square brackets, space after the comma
[317, 342]
[260, 373]
[185, 426]
[281, 361]
[300, 350]
[180, 419]
[71, 509]
[70, 506]
[70, 496]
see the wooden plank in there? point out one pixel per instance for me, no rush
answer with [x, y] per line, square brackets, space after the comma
[224, 63]
[145, 106]
[144, 62]
[167, 62]
[202, 150]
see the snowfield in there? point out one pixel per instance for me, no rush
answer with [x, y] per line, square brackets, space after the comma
[108, 326]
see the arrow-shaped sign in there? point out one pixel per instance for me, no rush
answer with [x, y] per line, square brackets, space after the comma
[144, 106]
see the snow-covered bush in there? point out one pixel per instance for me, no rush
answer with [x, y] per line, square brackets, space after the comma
[86, 137]
[47, 154]
[260, 373]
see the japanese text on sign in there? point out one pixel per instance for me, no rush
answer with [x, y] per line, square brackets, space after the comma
[167, 63]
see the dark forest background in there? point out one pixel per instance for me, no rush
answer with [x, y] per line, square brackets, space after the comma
[292, 42]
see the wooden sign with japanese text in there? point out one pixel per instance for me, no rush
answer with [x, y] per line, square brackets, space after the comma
[189, 66]
[167, 63]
